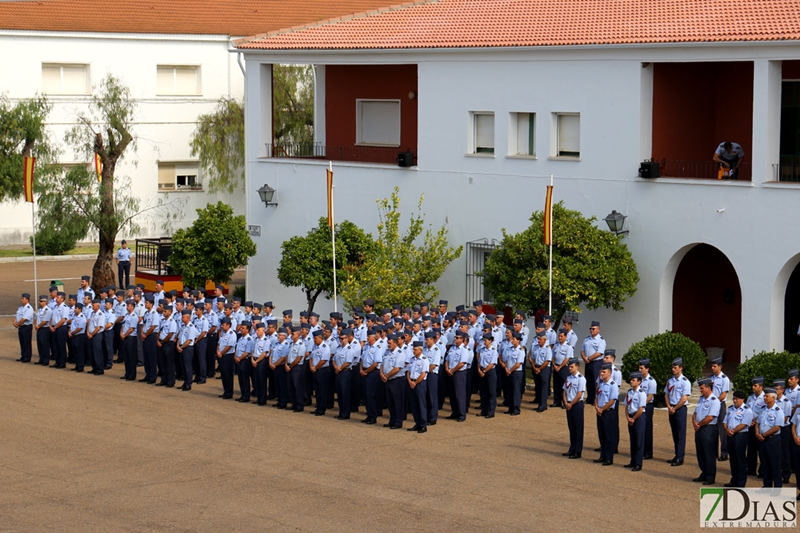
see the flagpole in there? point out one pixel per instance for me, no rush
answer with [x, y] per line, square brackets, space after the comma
[333, 241]
[550, 309]
[35, 277]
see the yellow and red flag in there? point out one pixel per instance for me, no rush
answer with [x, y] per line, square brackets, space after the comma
[98, 167]
[28, 164]
[548, 217]
[329, 173]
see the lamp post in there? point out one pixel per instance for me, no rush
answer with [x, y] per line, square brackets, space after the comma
[616, 221]
[266, 193]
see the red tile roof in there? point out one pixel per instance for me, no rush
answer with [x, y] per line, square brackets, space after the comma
[199, 17]
[507, 23]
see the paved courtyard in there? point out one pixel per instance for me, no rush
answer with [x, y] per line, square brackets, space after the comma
[90, 453]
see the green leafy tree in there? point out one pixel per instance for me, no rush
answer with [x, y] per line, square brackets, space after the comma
[307, 261]
[662, 349]
[401, 270]
[22, 133]
[212, 247]
[771, 365]
[293, 104]
[591, 267]
[218, 143]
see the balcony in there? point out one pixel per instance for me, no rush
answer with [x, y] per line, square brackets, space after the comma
[355, 154]
[788, 170]
[681, 168]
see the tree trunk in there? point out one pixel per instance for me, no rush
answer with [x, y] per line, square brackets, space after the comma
[311, 300]
[103, 270]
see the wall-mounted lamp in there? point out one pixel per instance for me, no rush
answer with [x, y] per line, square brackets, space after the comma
[616, 223]
[266, 193]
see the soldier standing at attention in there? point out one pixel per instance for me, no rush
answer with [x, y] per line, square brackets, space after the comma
[676, 394]
[635, 402]
[43, 331]
[649, 386]
[757, 404]
[168, 330]
[77, 334]
[94, 332]
[487, 371]
[185, 346]
[319, 366]
[244, 347]
[768, 429]
[573, 399]
[704, 422]
[786, 436]
[123, 259]
[295, 368]
[127, 335]
[260, 362]
[416, 374]
[592, 354]
[433, 354]
[562, 353]
[23, 321]
[392, 374]
[226, 348]
[150, 323]
[737, 424]
[606, 409]
[371, 359]
[721, 387]
[540, 358]
[342, 363]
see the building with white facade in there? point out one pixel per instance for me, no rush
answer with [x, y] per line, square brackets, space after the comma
[493, 97]
[175, 58]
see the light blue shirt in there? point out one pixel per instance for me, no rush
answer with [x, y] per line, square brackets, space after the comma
[321, 352]
[149, 319]
[541, 354]
[488, 357]
[227, 340]
[721, 384]
[513, 356]
[78, 326]
[279, 350]
[131, 321]
[124, 254]
[297, 350]
[757, 404]
[454, 357]
[593, 345]
[742, 415]
[417, 367]
[434, 357]
[575, 384]
[25, 312]
[786, 406]
[59, 312]
[167, 326]
[707, 406]
[260, 346]
[572, 339]
[187, 333]
[636, 399]
[769, 419]
[98, 321]
[562, 352]
[244, 345]
[678, 388]
[393, 359]
[607, 391]
[649, 386]
[43, 315]
[373, 354]
[796, 421]
[343, 355]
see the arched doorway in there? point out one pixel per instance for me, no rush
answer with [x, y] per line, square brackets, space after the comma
[707, 301]
[791, 341]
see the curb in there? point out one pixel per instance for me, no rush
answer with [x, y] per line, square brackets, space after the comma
[82, 257]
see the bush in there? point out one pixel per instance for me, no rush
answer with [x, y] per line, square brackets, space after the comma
[661, 349]
[50, 241]
[771, 365]
[240, 292]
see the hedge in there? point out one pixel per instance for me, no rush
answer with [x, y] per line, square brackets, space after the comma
[771, 365]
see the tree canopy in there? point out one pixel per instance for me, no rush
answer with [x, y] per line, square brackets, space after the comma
[22, 133]
[591, 267]
[307, 261]
[401, 270]
[213, 247]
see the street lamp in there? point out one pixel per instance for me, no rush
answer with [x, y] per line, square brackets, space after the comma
[616, 221]
[266, 193]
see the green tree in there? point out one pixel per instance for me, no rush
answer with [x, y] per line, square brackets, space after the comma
[400, 271]
[212, 247]
[293, 104]
[218, 143]
[307, 261]
[591, 267]
[22, 133]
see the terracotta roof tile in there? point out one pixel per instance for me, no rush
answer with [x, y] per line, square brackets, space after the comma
[198, 17]
[507, 23]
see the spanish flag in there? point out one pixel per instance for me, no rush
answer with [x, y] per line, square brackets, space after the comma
[329, 172]
[98, 167]
[548, 217]
[28, 164]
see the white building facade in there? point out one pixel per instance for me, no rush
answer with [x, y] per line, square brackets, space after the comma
[718, 259]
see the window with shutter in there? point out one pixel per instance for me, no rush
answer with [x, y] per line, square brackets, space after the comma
[177, 80]
[65, 79]
[378, 122]
[484, 133]
[569, 135]
[521, 134]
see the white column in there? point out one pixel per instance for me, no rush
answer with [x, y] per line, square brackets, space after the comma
[646, 113]
[766, 119]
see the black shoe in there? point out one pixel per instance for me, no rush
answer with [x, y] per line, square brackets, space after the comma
[109, 367]
[201, 382]
[554, 405]
[342, 418]
[386, 425]
[432, 423]
[143, 380]
[413, 428]
[599, 461]
[636, 468]
[722, 458]
[161, 384]
[708, 482]
[240, 399]
[371, 421]
[98, 372]
[262, 403]
[566, 454]
[461, 419]
[169, 386]
[186, 387]
[225, 397]
[297, 410]
[281, 407]
[422, 430]
[151, 382]
[319, 413]
[396, 427]
[130, 379]
[676, 463]
[731, 484]
[647, 457]
[608, 463]
[698, 479]
[672, 460]
[490, 416]
[451, 417]
[541, 410]
[629, 465]
[515, 413]
[574, 456]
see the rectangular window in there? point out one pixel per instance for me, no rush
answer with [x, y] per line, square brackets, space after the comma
[179, 176]
[483, 133]
[568, 135]
[378, 122]
[65, 79]
[178, 80]
[521, 134]
[166, 177]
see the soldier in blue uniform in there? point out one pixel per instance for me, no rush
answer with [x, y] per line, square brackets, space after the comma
[244, 348]
[433, 353]
[722, 385]
[123, 258]
[167, 333]
[635, 402]
[757, 405]
[562, 353]
[393, 375]
[704, 422]
[371, 362]
[43, 334]
[149, 335]
[456, 368]
[785, 404]
[295, 368]
[77, 335]
[319, 365]
[606, 410]
[226, 348]
[592, 353]
[737, 424]
[342, 363]
[487, 372]
[512, 362]
[95, 334]
[23, 321]
[108, 332]
[260, 362]
[676, 394]
[59, 331]
[187, 334]
[768, 429]
[127, 334]
[540, 358]
[649, 387]
[416, 376]
[573, 400]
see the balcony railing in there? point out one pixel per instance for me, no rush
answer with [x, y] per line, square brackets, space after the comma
[358, 154]
[788, 169]
[679, 168]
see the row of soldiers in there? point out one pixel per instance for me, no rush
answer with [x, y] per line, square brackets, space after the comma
[403, 360]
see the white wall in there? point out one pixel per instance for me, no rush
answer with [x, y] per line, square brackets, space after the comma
[164, 123]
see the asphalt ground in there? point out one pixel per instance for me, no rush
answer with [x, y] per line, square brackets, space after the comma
[91, 453]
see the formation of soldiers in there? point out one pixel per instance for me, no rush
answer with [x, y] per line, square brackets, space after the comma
[408, 360]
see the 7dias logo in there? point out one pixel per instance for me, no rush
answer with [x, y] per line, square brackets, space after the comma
[747, 507]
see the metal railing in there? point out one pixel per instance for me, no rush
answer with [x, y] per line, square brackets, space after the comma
[477, 253]
[680, 168]
[788, 169]
[152, 256]
[357, 154]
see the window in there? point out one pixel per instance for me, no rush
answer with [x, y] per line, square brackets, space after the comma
[179, 176]
[178, 80]
[482, 133]
[521, 134]
[378, 122]
[568, 135]
[65, 79]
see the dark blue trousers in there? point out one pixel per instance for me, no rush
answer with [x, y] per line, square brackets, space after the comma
[201, 355]
[25, 334]
[786, 453]
[705, 442]
[433, 397]
[419, 402]
[344, 391]
[79, 351]
[245, 372]
[130, 356]
[322, 379]
[61, 346]
[516, 382]
[395, 398]
[458, 394]
[150, 354]
[187, 355]
[591, 372]
[575, 425]
[721, 435]
[770, 451]
[211, 354]
[260, 380]
[489, 392]
[677, 423]
[605, 432]
[443, 386]
[43, 344]
[108, 347]
[166, 360]
[636, 435]
[542, 380]
[737, 453]
[559, 378]
[357, 392]
[226, 366]
[648, 429]
[99, 361]
[281, 385]
[371, 394]
[297, 386]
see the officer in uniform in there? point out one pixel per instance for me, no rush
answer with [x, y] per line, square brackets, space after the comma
[704, 422]
[167, 332]
[722, 385]
[768, 429]
[757, 404]
[59, 331]
[211, 338]
[416, 374]
[592, 354]
[512, 362]
[23, 321]
[95, 334]
[123, 259]
[43, 334]
[433, 354]
[77, 332]
[83, 290]
[277, 364]
[371, 362]
[456, 368]
[573, 400]
[393, 375]
[187, 335]
[785, 404]
[487, 372]
[635, 414]
[127, 334]
[606, 410]
[108, 332]
[260, 362]
[737, 424]
[342, 362]
[244, 347]
[202, 325]
[562, 353]
[541, 357]
[295, 368]
[226, 348]
[150, 323]
[649, 387]
[676, 394]
[319, 365]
